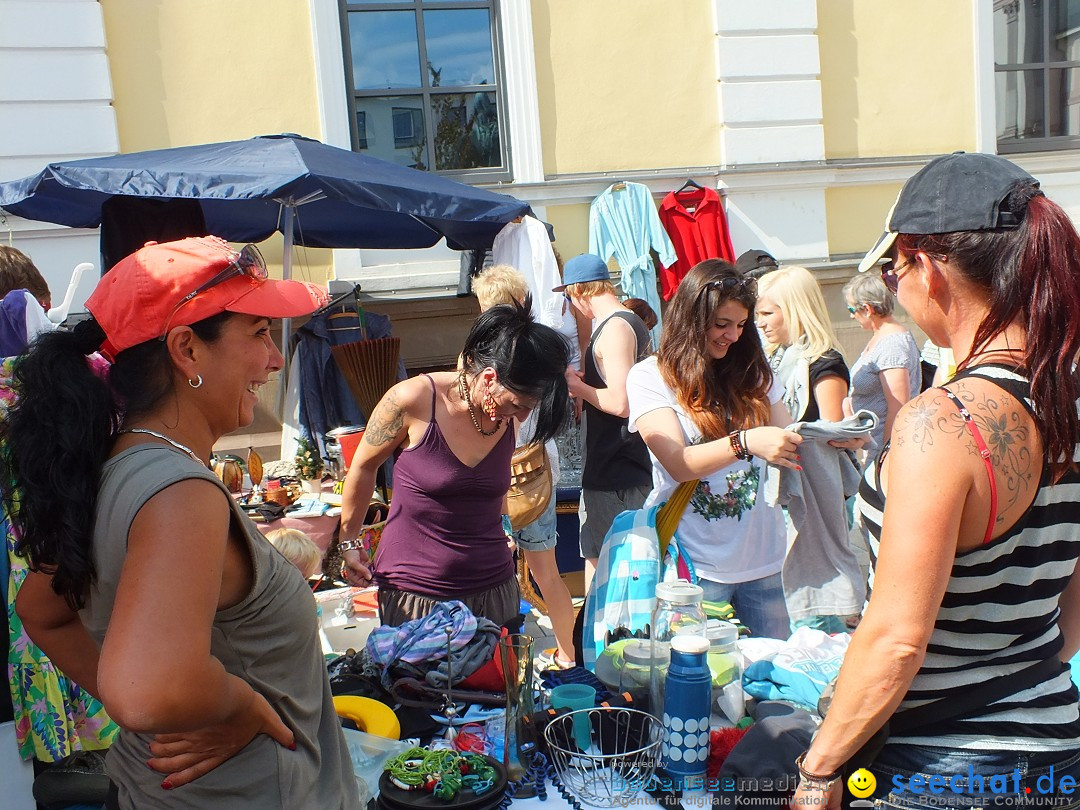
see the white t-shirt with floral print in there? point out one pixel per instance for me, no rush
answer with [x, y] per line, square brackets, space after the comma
[727, 530]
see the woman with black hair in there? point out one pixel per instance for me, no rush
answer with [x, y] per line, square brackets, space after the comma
[707, 407]
[149, 586]
[958, 667]
[453, 433]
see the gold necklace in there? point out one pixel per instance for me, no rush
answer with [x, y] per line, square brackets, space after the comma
[463, 387]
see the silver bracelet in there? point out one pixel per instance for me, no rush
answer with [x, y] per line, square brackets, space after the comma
[351, 545]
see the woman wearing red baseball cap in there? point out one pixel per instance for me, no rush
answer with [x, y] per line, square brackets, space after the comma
[151, 589]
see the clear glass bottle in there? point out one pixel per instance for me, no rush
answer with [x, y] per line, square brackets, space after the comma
[677, 612]
[726, 665]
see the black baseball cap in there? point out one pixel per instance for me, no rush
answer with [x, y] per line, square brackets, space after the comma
[958, 192]
[754, 260]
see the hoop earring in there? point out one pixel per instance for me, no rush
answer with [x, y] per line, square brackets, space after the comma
[489, 406]
[197, 382]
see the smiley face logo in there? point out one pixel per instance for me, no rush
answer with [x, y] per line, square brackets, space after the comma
[861, 783]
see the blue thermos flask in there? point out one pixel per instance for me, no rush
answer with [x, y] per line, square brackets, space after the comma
[687, 698]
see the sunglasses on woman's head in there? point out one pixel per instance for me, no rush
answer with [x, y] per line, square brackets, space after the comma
[730, 283]
[248, 262]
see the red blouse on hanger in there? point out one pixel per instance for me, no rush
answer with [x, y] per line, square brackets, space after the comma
[694, 219]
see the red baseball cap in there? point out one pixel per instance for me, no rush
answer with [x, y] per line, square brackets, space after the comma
[151, 291]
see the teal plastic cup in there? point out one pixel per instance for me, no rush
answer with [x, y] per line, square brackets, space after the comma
[575, 697]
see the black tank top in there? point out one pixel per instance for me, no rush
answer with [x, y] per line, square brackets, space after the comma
[615, 458]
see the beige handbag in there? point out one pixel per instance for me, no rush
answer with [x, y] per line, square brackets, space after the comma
[530, 485]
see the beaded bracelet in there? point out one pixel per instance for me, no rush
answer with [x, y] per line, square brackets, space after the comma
[737, 446]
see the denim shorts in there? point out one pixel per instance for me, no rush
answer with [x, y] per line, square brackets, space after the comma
[918, 776]
[758, 603]
[540, 535]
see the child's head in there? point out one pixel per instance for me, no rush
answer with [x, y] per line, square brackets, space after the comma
[297, 548]
[500, 284]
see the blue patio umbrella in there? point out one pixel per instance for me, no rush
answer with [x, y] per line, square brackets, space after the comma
[316, 195]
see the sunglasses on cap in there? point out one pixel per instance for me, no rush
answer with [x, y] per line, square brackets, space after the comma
[248, 262]
[890, 274]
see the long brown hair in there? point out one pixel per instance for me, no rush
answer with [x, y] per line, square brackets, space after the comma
[722, 395]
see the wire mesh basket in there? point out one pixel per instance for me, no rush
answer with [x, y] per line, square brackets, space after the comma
[623, 752]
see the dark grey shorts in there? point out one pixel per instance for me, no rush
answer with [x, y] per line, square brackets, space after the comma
[598, 509]
[500, 603]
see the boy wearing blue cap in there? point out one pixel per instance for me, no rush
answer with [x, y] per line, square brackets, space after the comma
[617, 474]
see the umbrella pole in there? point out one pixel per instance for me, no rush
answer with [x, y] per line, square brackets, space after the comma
[286, 323]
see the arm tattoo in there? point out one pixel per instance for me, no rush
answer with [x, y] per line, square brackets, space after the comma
[922, 421]
[1000, 421]
[386, 421]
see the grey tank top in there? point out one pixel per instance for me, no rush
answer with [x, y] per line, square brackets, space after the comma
[270, 639]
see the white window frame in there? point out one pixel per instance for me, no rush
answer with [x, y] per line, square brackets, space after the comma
[522, 116]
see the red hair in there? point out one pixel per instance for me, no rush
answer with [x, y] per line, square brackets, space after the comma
[1030, 274]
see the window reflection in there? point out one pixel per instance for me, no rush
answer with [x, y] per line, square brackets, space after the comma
[1063, 114]
[1019, 104]
[466, 130]
[1037, 87]
[395, 129]
[385, 50]
[416, 68]
[459, 47]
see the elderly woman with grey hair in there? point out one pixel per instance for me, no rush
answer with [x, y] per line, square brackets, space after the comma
[888, 372]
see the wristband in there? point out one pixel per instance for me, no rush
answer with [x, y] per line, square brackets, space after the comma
[815, 780]
[746, 448]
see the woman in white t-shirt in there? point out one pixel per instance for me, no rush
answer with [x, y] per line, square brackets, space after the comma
[707, 407]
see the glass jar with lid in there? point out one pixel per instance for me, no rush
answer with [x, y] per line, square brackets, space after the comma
[726, 666]
[677, 612]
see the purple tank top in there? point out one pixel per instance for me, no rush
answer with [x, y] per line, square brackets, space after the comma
[443, 536]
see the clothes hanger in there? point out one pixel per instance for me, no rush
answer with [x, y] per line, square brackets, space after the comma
[348, 309]
[690, 183]
[620, 185]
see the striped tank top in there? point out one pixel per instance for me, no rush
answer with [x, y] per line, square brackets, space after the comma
[999, 616]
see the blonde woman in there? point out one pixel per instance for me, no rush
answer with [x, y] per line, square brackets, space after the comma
[801, 344]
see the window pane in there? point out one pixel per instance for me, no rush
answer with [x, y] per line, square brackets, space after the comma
[1019, 96]
[1018, 33]
[466, 131]
[459, 47]
[361, 130]
[385, 51]
[1064, 31]
[1063, 117]
[394, 129]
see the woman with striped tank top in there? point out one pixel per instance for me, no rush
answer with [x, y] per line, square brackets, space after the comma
[957, 673]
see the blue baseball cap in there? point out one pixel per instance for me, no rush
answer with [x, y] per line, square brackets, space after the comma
[586, 267]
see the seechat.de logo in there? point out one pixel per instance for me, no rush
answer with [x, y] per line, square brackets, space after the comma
[861, 784]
